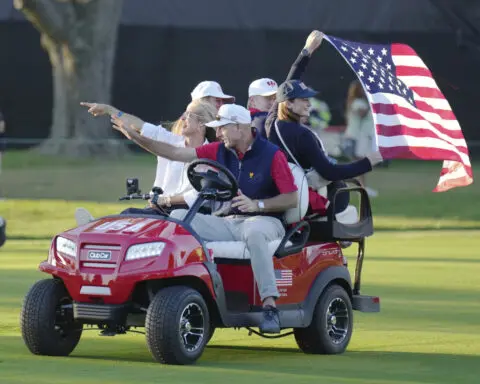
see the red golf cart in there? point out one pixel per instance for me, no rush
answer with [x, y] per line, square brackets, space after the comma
[121, 272]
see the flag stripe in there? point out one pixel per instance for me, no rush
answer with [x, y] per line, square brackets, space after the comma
[437, 148]
[427, 92]
[403, 70]
[429, 113]
[403, 50]
[440, 104]
[449, 128]
[412, 118]
[391, 121]
[452, 181]
[408, 61]
[418, 152]
[426, 109]
[399, 129]
[419, 81]
[445, 114]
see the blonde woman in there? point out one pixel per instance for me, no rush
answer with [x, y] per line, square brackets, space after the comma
[170, 175]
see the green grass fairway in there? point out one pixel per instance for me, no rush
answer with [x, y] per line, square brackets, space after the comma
[423, 262]
[427, 331]
[405, 187]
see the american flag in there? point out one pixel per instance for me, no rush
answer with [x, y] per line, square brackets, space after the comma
[284, 277]
[412, 117]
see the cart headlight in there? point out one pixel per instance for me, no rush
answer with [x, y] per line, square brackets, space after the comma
[141, 251]
[68, 247]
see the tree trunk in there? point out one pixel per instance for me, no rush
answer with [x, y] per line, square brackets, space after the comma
[80, 39]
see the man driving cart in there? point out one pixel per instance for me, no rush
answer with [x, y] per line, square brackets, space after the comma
[266, 191]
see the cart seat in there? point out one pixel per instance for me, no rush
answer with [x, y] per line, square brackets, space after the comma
[237, 250]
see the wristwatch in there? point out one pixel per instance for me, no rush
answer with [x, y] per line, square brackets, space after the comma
[261, 205]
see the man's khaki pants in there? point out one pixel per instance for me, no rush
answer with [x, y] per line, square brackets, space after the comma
[255, 231]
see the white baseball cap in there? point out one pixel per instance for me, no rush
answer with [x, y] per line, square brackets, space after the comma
[209, 88]
[263, 87]
[231, 114]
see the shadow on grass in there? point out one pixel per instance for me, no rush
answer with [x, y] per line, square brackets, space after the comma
[352, 366]
[282, 364]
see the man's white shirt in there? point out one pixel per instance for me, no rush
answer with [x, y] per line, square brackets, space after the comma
[171, 175]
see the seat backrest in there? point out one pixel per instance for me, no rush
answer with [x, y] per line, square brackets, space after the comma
[294, 215]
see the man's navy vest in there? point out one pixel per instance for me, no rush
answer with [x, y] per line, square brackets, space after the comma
[253, 172]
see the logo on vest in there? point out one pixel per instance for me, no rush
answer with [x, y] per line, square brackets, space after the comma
[255, 177]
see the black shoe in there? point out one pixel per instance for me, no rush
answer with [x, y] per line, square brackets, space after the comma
[271, 320]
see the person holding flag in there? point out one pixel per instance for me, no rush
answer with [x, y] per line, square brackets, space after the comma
[303, 147]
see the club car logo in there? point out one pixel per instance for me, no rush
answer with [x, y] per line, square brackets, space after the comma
[99, 255]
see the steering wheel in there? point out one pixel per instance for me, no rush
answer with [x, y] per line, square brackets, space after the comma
[221, 180]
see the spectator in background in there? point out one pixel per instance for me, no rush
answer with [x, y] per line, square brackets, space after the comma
[360, 132]
[261, 96]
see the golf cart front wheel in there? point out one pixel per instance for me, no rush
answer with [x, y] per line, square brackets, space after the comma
[177, 325]
[332, 324]
[46, 320]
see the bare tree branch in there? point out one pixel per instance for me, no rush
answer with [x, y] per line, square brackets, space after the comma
[51, 17]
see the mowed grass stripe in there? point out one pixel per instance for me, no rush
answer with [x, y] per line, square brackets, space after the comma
[427, 331]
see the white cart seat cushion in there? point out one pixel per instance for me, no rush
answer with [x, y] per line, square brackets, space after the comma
[348, 216]
[294, 215]
[237, 250]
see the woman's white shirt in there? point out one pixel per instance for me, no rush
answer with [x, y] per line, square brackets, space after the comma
[171, 175]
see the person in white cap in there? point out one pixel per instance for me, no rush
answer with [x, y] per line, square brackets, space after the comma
[170, 176]
[261, 96]
[266, 191]
[211, 92]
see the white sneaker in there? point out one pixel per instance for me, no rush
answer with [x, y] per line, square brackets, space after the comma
[82, 216]
[371, 192]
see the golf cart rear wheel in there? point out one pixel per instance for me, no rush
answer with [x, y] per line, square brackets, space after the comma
[47, 323]
[177, 325]
[332, 324]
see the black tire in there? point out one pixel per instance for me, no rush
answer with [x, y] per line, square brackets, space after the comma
[322, 336]
[48, 329]
[170, 314]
